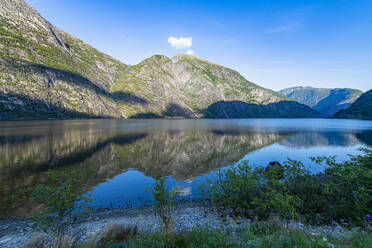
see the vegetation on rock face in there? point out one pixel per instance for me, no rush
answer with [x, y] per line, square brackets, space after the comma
[343, 193]
[325, 101]
[46, 73]
[360, 109]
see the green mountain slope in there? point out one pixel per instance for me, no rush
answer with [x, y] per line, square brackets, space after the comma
[360, 109]
[187, 86]
[48, 73]
[325, 101]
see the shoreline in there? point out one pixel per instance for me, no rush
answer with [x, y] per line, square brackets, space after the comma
[188, 216]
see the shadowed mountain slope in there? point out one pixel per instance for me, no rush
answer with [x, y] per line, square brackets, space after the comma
[360, 109]
[238, 109]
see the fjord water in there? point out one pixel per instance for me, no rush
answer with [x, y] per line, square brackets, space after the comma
[121, 158]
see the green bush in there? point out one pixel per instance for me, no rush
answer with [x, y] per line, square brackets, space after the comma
[252, 192]
[344, 190]
[164, 203]
[61, 196]
[343, 193]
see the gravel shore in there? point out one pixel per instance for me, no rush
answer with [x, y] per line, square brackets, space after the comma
[189, 215]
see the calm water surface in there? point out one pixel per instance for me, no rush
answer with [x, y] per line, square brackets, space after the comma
[121, 158]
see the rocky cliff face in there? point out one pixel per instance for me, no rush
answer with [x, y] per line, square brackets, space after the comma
[47, 73]
[325, 101]
[360, 109]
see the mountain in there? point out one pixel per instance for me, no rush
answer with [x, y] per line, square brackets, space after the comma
[325, 101]
[360, 109]
[47, 73]
[238, 109]
[187, 86]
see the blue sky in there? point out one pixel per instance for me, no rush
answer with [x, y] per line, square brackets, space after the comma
[276, 44]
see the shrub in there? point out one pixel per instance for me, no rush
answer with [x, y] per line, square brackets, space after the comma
[343, 193]
[344, 190]
[164, 203]
[251, 192]
[61, 196]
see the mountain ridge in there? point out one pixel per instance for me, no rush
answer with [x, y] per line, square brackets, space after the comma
[191, 83]
[47, 73]
[327, 101]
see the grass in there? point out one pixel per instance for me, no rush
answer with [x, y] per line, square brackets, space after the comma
[118, 233]
[255, 235]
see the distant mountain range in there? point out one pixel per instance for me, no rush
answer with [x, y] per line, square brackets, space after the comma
[325, 101]
[360, 109]
[47, 73]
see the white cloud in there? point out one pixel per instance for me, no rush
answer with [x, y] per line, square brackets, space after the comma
[181, 42]
[190, 52]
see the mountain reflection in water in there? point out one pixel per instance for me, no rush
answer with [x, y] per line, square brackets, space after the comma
[120, 158]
